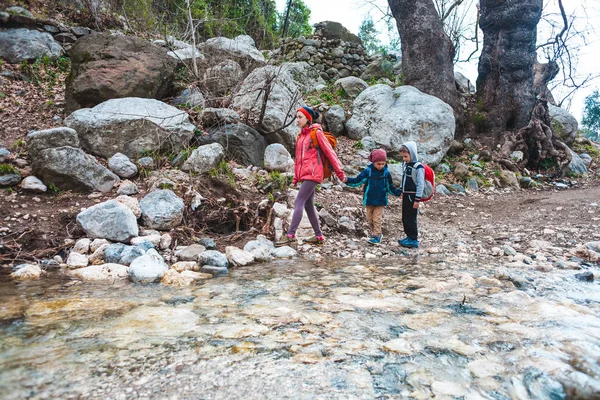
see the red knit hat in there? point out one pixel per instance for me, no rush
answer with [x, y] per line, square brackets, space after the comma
[378, 156]
[308, 113]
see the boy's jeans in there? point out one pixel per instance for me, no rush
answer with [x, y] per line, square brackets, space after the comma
[375, 218]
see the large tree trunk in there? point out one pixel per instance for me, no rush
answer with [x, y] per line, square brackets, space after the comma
[427, 52]
[542, 75]
[505, 93]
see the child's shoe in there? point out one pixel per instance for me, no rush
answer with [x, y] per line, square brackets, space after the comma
[410, 243]
[375, 240]
[287, 240]
[316, 240]
[403, 241]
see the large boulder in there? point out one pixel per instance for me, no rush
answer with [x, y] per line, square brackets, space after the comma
[219, 116]
[277, 158]
[204, 158]
[335, 30]
[241, 143]
[50, 138]
[70, 168]
[110, 220]
[281, 104]
[463, 84]
[564, 124]
[18, 45]
[393, 116]
[223, 77]
[131, 126]
[306, 77]
[105, 67]
[577, 165]
[335, 120]
[162, 209]
[351, 85]
[241, 49]
[378, 68]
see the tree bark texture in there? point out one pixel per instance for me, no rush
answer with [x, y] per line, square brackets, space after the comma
[427, 52]
[505, 91]
[543, 74]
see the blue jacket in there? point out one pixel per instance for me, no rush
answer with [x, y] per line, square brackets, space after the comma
[377, 185]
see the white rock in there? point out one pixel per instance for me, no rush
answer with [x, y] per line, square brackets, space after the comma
[238, 257]
[181, 266]
[154, 239]
[97, 243]
[197, 276]
[165, 241]
[131, 203]
[27, 272]
[77, 260]
[33, 184]
[148, 268]
[283, 252]
[82, 246]
[121, 165]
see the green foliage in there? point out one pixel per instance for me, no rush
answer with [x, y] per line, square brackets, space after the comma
[165, 185]
[52, 187]
[6, 169]
[222, 172]
[46, 72]
[368, 34]
[548, 163]
[591, 116]
[358, 145]
[298, 20]
[478, 120]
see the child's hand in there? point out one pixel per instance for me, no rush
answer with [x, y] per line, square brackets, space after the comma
[345, 179]
[416, 204]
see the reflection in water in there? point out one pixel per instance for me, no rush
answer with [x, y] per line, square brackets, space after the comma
[433, 329]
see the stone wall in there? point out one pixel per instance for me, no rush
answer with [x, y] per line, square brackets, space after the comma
[333, 58]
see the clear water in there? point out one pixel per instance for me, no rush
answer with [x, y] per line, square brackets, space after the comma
[405, 329]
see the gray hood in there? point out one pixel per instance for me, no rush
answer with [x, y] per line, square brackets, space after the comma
[411, 145]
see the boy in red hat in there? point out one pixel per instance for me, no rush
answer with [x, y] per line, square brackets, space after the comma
[378, 183]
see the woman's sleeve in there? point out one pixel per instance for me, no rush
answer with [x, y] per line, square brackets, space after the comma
[330, 154]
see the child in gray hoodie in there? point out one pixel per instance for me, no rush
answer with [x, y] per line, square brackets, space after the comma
[413, 182]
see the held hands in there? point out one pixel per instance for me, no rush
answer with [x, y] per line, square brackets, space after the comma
[416, 204]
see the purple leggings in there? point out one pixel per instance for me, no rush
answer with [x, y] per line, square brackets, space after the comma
[305, 200]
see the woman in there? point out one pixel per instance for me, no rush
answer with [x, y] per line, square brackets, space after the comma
[308, 170]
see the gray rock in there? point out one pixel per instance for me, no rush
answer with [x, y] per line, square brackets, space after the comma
[10, 180]
[112, 254]
[186, 55]
[33, 184]
[71, 168]
[104, 272]
[80, 31]
[346, 224]
[260, 250]
[204, 158]
[27, 272]
[586, 158]
[146, 162]
[461, 170]
[127, 188]
[223, 77]
[393, 116]
[208, 243]
[564, 124]
[456, 188]
[219, 116]
[305, 76]
[509, 251]
[190, 253]
[472, 185]
[351, 85]
[16, 10]
[214, 271]
[443, 168]
[397, 171]
[4, 154]
[283, 252]
[192, 97]
[131, 126]
[463, 84]
[148, 268]
[327, 218]
[122, 166]
[162, 209]
[443, 190]
[215, 258]
[508, 179]
[50, 138]
[109, 220]
[21, 44]
[577, 165]
[277, 158]
[239, 49]
[368, 143]
[240, 142]
[517, 156]
[335, 119]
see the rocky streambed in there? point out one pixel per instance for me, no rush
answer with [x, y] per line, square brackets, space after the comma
[423, 326]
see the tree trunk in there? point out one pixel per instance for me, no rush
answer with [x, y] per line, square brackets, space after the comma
[505, 93]
[542, 75]
[427, 52]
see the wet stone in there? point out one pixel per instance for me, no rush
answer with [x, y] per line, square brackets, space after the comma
[587, 276]
[214, 271]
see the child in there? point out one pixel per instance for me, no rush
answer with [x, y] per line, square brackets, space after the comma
[413, 183]
[378, 183]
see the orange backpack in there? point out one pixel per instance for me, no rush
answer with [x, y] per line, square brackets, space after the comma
[327, 170]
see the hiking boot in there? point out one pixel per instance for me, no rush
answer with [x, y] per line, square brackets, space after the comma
[287, 241]
[375, 240]
[409, 243]
[316, 240]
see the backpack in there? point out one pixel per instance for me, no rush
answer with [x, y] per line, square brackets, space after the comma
[327, 170]
[429, 189]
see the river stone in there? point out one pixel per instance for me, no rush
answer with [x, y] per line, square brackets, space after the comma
[21, 44]
[131, 203]
[50, 138]
[277, 158]
[109, 220]
[70, 168]
[165, 241]
[148, 268]
[393, 116]
[10, 179]
[122, 166]
[181, 266]
[97, 243]
[241, 331]
[33, 184]
[4, 154]
[238, 257]
[443, 190]
[215, 258]
[197, 276]
[174, 278]
[97, 257]
[214, 271]
[283, 252]
[131, 126]
[104, 272]
[208, 243]
[162, 210]
[82, 246]
[335, 120]
[346, 224]
[240, 142]
[129, 254]
[153, 239]
[27, 272]
[587, 276]
[190, 253]
[351, 85]
[508, 179]
[461, 170]
[401, 346]
[577, 165]
[219, 116]
[456, 188]
[204, 158]
[127, 188]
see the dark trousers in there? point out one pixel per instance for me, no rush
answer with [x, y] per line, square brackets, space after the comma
[409, 216]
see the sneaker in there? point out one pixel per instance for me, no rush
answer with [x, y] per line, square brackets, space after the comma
[287, 241]
[375, 240]
[403, 241]
[316, 240]
[410, 243]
